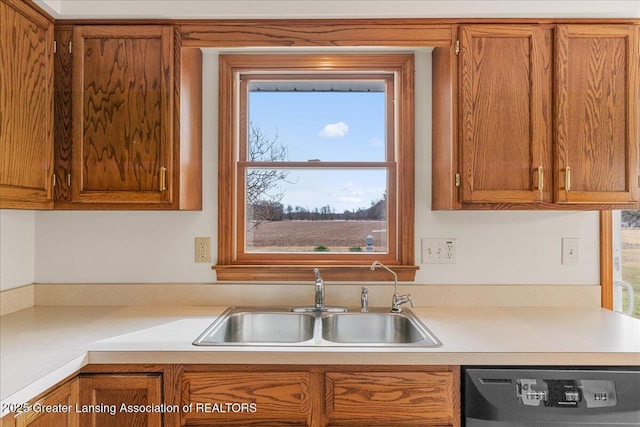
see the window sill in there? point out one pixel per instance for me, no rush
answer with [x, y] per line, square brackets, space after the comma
[298, 273]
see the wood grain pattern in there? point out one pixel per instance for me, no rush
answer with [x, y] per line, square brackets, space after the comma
[390, 398]
[505, 112]
[280, 398]
[63, 142]
[444, 150]
[188, 129]
[65, 395]
[315, 33]
[123, 105]
[109, 390]
[26, 107]
[596, 125]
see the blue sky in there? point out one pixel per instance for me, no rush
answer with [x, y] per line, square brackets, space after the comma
[329, 126]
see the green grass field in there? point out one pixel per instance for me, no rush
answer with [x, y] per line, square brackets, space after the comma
[631, 264]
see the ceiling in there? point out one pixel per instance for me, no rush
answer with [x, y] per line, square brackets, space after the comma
[282, 9]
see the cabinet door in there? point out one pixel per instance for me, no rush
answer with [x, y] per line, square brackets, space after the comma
[102, 398]
[391, 398]
[123, 80]
[596, 104]
[247, 398]
[26, 107]
[505, 113]
[56, 408]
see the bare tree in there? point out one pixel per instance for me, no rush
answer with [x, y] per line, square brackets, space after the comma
[262, 184]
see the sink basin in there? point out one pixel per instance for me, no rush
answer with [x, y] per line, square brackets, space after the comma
[273, 326]
[286, 327]
[377, 328]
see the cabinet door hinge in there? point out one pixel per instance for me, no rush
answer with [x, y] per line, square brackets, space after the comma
[55, 46]
[457, 47]
[70, 47]
[457, 180]
[53, 179]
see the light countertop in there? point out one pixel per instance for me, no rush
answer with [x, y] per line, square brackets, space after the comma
[40, 346]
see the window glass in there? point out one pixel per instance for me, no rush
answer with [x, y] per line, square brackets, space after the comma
[321, 210]
[626, 260]
[336, 121]
[315, 172]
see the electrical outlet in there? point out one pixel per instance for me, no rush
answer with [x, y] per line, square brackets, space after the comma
[570, 252]
[438, 251]
[203, 249]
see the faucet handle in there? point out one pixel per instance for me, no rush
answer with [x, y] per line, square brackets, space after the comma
[398, 300]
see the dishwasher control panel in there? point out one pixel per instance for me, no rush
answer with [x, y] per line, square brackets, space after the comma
[566, 393]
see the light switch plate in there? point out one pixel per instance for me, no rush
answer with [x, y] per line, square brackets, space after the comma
[570, 251]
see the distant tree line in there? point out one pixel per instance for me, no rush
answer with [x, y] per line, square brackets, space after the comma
[268, 210]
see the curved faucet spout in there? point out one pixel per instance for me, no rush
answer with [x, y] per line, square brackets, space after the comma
[397, 299]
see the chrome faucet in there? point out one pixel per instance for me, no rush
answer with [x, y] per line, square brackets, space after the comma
[319, 290]
[364, 300]
[397, 299]
[318, 299]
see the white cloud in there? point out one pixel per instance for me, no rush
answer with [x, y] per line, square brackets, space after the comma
[335, 130]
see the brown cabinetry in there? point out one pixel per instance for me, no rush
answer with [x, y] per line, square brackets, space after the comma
[505, 113]
[521, 122]
[383, 398]
[321, 395]
[596, 108]
[132, 142]
[247, 398]
[120, 400]
[26, 107]
[56, 408]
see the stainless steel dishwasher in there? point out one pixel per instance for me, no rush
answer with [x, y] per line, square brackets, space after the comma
[562, 397]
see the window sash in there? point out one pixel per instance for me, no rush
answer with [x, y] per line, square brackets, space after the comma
[233, 265]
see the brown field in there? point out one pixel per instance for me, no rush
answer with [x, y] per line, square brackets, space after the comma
[304, 236]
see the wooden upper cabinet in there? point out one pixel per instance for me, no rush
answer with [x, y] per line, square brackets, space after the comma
[596, 107]
[505, 113]
[122, 114]
[26, 107]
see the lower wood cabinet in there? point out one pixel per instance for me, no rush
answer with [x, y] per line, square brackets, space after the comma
[120, 400]
[248, 395]
[391, 398]
[56, 408]
[342, 395]
[247, 398]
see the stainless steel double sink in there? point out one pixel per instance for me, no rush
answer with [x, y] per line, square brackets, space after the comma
[242, 326]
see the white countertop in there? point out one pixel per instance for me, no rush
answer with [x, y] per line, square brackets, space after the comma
[40, 346]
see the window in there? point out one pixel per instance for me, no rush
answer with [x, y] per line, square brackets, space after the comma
[620, 259]
[626, 260]
[315, 166]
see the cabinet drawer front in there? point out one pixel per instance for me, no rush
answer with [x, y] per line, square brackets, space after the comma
[381, 398]
[233, 398]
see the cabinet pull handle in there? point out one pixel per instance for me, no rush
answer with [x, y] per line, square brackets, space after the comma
[540, 178]
[163, 179]
[567, 179]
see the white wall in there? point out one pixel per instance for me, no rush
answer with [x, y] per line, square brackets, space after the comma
[17, 248]
[493, 247]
